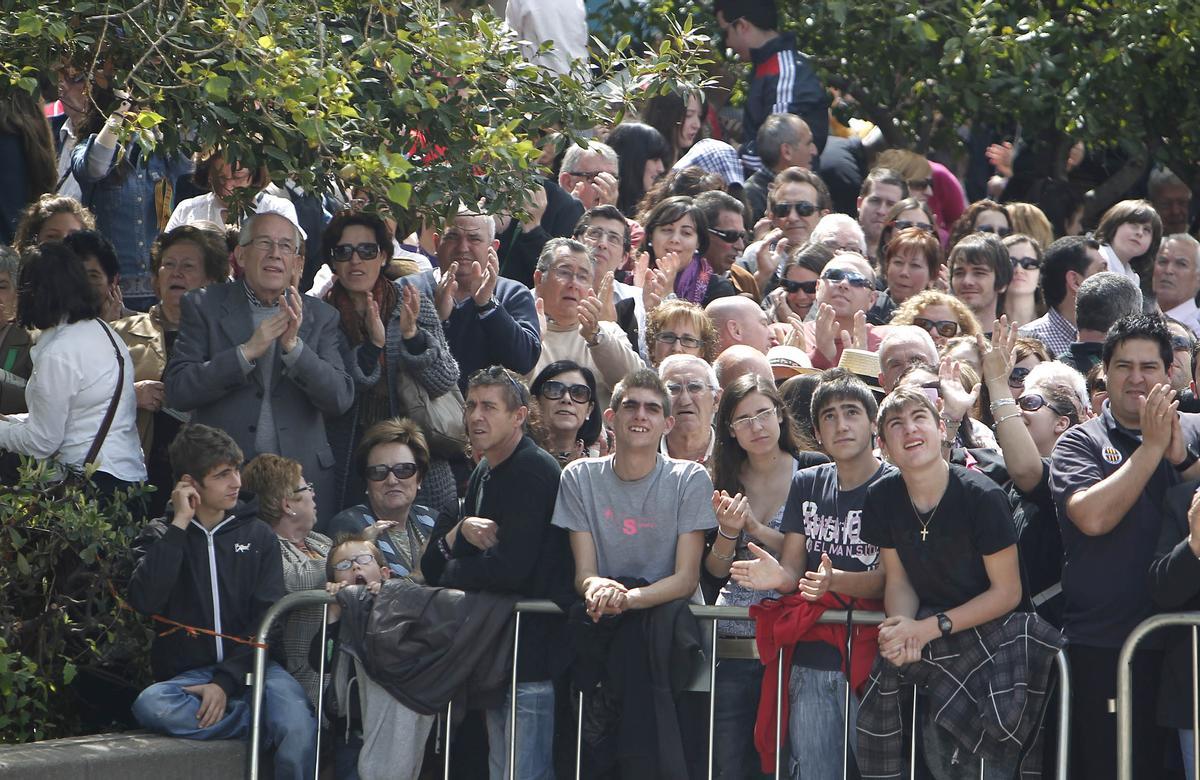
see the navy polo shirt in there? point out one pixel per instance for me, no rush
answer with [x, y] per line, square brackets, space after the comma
[1105, 579]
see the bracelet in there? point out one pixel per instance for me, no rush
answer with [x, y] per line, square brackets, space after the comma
[444, 548]
[1009, 416]
[996, 404]
[719, 557]
[723, 535]
[595, 340]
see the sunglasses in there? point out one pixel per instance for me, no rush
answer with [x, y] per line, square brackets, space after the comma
[728, 236]
[667, 337]
[1016, 380]
[342, 252]
[362, 559]
[792, 286]
[1028, 263]
[853, 278]
[944, 328]
[693, 386]
[554, 390]
[905, 224]
[1031, 402]
[802, 207]
[1003, 232]
[920, 184]
[379, 473]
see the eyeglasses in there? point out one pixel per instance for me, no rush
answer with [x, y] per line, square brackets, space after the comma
[379, 472]
[1016, 379]
[792, 286]
[944, 328]
[832, 243]
[263, 244]
[307, 486]
[1028, 263]
[802, 207]
[693, 387]
[668, 337]
[565, 275]
[1001, 231]
[905, 224]
[920, 184]
[728, 236]
[746, 423]
[362, 559]
[1181, 344]
[554, 390]
[608, 236]
[343, 252]
[853, 278]
[588, 175]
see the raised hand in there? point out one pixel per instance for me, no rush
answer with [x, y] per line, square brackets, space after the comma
[539, 306]
[998, 357]
[589, 316]
[294, 307]
[487, 278]
[825, 333]
[795, 336]
[373, 321]
[956, 401]
[1158, 417]
[762, 573]
[654, 288]
[443, 295]
[815, 584]
[410, 310]
[608, 308]
[535, 208]
[266, 333]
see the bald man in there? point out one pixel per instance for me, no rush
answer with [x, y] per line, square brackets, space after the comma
[739, 360]
[902, 346]
[739, 320]
[845, 291]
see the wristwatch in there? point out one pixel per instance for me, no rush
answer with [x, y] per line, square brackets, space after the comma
[483, 308]
[1186, 463]
[945, 625]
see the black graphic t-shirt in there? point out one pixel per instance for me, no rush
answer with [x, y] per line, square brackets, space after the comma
[831, 521]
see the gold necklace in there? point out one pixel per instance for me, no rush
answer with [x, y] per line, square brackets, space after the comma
[925, 523]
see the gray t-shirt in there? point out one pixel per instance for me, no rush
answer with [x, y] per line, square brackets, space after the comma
[635, 524]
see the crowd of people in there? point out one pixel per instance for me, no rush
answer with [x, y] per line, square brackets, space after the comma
[791, 372]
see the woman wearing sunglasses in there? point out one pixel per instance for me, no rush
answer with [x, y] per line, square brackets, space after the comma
[287, 503]
[982, 216]
[570, 419]
[797, 291]
[389, 328]
[942, 316]
[1029, 419]
[1023, 302]
[393, 459]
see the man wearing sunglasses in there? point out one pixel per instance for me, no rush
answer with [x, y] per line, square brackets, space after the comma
[784, 141]
[502, 541]
[574, 330]
[845, 291]
[727, 234]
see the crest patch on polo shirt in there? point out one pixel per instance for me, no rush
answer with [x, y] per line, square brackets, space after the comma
[1112, 455]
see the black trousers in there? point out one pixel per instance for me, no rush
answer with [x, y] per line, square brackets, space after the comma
[1094, 728]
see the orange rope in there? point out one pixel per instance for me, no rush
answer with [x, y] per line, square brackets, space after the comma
[192, 631]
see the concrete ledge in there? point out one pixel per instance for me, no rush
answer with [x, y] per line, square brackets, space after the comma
[130, 756]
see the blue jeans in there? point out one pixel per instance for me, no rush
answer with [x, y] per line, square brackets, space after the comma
[816, 722]
[737, 689]
[1185, 745]
[288, 720]
[535, 733]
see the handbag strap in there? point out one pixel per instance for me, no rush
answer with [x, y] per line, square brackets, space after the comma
[112, 405]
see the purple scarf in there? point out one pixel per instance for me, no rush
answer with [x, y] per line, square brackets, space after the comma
[692, 282]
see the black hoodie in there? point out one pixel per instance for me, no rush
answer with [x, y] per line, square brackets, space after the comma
[174, 578]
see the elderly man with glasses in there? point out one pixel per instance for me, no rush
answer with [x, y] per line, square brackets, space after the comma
[261, 362]
[574, 328]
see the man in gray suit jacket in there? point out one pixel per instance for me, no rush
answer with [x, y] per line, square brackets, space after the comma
[262, 362]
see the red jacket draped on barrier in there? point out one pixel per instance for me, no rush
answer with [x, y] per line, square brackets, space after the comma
[780, 624]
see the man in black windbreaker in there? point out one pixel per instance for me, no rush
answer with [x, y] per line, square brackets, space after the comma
[212, 565]
[782, 82]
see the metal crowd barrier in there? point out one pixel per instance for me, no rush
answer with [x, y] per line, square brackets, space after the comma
[702, 612]
[1125, 686]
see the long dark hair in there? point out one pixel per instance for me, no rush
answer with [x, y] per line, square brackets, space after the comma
[668, 212]
[635, 143]
[665, 113]
[728, 455]
[53, 287]
[21, 115]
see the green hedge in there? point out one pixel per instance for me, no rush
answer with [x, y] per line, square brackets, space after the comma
[71, 652]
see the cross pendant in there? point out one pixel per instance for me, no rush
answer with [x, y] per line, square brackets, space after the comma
[924, 533]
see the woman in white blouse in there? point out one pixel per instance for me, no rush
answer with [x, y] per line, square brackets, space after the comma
[77, 371]
[222, 179]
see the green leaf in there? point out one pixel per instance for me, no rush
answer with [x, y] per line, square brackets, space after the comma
[217, 87]
[23, 565]
[69, 672]
[399, 193]
[30, 24]
[928, 31]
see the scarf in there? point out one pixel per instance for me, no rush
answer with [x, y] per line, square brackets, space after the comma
[353, 326]
[692, 283]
